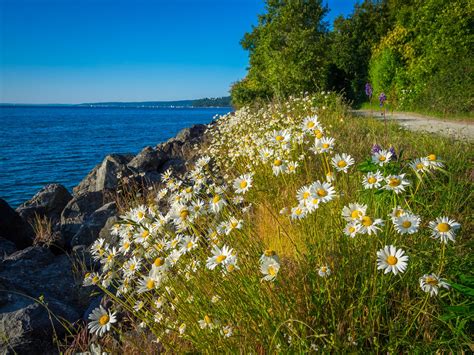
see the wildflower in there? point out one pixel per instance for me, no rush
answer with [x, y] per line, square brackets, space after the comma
[444, 228]
[372, 180]
[188, 243]
[182, 328]
[139, 213]
[420, 165]
[310, 123]
[303, 194]
[323, 190]
[219, 257]
[382, 99]
[131, 266]
[391, 259]
[215, 299]
[342, 162]
[217, 203]
[101, 321]
[206, 322]
[243, 183]
[369, 226]
[396, 183]
[381, 157]
[298, 212]
[407, 223]
[352, 228]
[397, 212]
[432, 283]
[278, 166]
[368, 90]
[269, 254]
[434, 162]
[323, 145]
[353, 212]
[227, 331]
[324, 271]
[269, 268]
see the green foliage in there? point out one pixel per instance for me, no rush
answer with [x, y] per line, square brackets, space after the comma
[383, 71]
[287, 51]
[212, 102]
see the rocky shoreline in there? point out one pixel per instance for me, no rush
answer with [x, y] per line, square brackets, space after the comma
[40, 284]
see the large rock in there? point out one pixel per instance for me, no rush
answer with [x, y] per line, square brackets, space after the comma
[36, 274]
[184, 145]
[6, 248]
[13, 227]
[148, 159]
[92, 225]
[48, 202]
[77, 211]
[104, 176]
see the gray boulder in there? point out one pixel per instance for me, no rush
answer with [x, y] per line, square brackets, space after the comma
[148, 159]
[105, 175]
[32, 274]
[77, 211]
[92, 225]
[48, 202]
[13, 227]
[6, 248]
[105, 231]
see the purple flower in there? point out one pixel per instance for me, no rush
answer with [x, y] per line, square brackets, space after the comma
[368, 90]
[392, 150]
[382, 99]
[376, 148]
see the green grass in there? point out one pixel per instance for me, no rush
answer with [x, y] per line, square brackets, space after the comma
[355, 308]
[374, 106]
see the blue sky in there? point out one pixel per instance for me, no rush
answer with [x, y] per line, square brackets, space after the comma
[72, 51]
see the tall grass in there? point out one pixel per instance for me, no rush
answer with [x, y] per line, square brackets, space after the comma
[232, 308]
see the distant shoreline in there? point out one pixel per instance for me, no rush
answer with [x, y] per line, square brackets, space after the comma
[103, 106]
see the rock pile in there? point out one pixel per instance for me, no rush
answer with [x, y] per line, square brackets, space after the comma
[40, 283]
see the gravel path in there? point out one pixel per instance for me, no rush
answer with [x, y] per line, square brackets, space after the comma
[456, 129]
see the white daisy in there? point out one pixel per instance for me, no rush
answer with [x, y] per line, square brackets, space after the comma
[232, 224]
[354, 211]
[432, 283]
[298, 212]
[352, 228]
[219, 257]
[323, 145]
[420, 165]
[342, 162]
[227, 331]
[324, 271]
[206, 322]
[407, 223]
[147, 284]
[291, 167]
[310, 123]
[278, 166]
[269, 268]
[391, 259]
[372, 180]
[397, 212]
[434, 161]
[370, 226]
[444, 228]
[243, 183]
[323, 190]
[101, 321]
[382, 157]
[396, 183]
[217, 203]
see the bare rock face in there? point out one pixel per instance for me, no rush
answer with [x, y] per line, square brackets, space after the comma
[13, 227]
[93, 224]
[104, 176]
[148, 159]
[48, 202]
[6, 248]
[29, 274]
[183, 145]
[77, 211]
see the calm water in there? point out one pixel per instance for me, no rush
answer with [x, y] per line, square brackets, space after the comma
[41, 145]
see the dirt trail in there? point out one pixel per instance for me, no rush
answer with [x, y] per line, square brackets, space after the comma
[463, 130]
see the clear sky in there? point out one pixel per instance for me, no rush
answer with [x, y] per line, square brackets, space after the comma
[73, 51]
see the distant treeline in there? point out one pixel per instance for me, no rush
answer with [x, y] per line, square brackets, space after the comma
[418, 52]
[213, 102]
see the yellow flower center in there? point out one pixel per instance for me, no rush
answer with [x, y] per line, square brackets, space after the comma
[406, 224]
[306, 194]
[322, 192]
[277, 162]
[298, 211]
[382, 158]
[189, 245]
[158, 262]
[310, 124]
[104, 319]
[243, 184]
[184, 214]
[420, 166]
[325, 145]
[269, 252]
[95, 279]
[271, 270]
[189, 189]
[371, 180]
[356, 214]
[140, 215]
[220, 258]
[394, 182]
[367, 221]
[145, 234]
[126, 245]
[318, 134]
[279, 138]
[150, 284]
[443, 227]
[431, 281]
[216, 198]
[324, 269]
[230, 268]
[432, 157]
[352, 229]
[341, 164]
[234, 224]
[391, 260]
[207, 319]
[131, 267]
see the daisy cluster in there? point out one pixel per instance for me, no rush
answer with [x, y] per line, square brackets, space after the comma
[200, 223]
